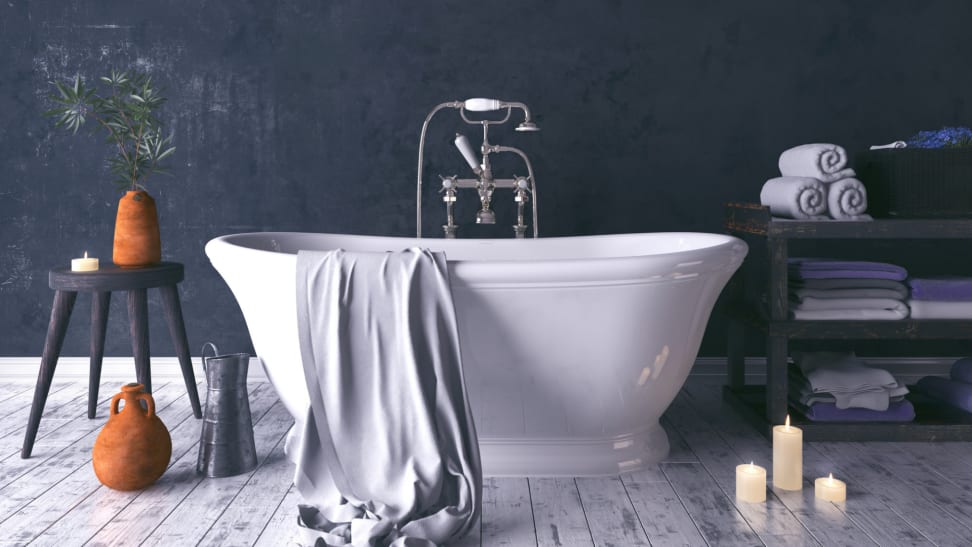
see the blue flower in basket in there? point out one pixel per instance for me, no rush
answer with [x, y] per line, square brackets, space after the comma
[946, 137]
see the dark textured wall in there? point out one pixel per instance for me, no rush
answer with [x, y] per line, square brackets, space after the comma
[305, 115]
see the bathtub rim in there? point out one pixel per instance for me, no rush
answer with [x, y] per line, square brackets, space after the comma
[721, 253]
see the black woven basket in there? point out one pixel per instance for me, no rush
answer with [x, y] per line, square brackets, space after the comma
[917, 182]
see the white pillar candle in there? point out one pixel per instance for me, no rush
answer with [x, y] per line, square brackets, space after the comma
[84, 264]
[750, 482]
[788, 456]
[830, 489]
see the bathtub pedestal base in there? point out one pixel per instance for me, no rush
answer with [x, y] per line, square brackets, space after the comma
[573, 457]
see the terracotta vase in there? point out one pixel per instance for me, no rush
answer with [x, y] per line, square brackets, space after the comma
[134, 448]
[137, 240]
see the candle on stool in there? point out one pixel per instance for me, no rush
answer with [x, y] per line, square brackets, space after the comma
[830, 489]
[84, 264]
[788, 456]
[750, 483]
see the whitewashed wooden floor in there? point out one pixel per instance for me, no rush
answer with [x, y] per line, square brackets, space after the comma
[899, 494]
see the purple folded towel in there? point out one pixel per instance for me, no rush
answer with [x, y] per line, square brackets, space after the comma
[901, 411]
[957, 394]
[962, 370]
[941, 288]
[822, 268]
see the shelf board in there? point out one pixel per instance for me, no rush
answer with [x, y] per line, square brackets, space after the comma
[750, 218]
[902, 329]
[934, 422]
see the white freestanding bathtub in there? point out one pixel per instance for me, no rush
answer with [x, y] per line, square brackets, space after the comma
[572, 347]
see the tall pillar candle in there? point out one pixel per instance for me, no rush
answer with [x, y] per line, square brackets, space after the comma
[787, 456]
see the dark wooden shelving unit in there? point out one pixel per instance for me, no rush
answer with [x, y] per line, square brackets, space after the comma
[767, 405]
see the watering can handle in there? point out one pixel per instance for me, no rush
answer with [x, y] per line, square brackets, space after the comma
[203, 354]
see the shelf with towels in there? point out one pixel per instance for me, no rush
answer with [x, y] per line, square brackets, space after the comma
[767, 405]
[904, 329]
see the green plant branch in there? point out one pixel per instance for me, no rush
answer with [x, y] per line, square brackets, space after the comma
[126, 114]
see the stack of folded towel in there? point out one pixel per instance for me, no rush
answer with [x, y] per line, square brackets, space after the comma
[955, 390]
[816, 184]
[838, 387]
[821, 288]
[941, 298]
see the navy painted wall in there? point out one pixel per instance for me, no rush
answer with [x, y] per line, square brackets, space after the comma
[305, 114]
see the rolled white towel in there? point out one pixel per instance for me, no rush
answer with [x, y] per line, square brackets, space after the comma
[795, 197]
[825, 162]
[847, 200]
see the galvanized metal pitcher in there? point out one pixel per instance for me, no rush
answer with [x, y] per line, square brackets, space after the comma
[226, 445]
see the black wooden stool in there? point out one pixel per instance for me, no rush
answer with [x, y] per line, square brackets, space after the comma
[101, 283]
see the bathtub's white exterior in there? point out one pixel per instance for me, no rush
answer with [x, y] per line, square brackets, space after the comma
[572, 347]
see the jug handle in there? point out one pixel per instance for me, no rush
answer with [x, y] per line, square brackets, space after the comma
[203, 353]
[149, 401]
[114, 403]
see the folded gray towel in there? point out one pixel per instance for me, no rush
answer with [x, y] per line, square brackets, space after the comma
[843, 379]
[868, 292]
[850, 283]
[940, 309]
[812, 303]
[895, 314]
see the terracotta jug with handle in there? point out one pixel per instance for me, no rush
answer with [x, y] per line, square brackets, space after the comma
[134, 448]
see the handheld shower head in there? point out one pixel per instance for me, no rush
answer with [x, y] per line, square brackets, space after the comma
[527, 126]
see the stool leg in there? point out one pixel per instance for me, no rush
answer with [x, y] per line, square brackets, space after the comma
[99, 324]
[177, 330]
[138, 323]
[56, 329]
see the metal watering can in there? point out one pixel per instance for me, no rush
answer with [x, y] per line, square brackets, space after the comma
[226, 445]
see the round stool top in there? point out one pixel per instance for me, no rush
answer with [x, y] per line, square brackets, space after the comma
[112, 278]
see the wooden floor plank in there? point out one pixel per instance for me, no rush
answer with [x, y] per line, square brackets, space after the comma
[54, 420]
[826, 521]
[25, 479]
[558, 513]
[713, 513]
[679, 450]
[661, 513]
[898, 493]
[192, 520]
[103, 503]
[37, 516]
[60, 405]
[16, 396]
[151, 506]
[610, 515]
[774, 523]
[946, 492]
[248, 514]
[282, 527]
[902, 498]
[507, 513]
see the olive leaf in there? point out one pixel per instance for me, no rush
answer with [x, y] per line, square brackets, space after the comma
[124, 106]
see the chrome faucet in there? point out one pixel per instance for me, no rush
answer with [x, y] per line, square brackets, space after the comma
[524, 188]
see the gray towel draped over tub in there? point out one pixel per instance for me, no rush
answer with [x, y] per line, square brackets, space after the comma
[388, 453]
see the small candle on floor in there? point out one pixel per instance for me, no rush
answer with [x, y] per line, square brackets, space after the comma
[84, 264]
[787, 456]
[830, 489]
[750, 483]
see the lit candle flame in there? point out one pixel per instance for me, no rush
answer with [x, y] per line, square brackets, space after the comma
[830, 480]
[86, 254]
[752, 467]
[787, 423]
